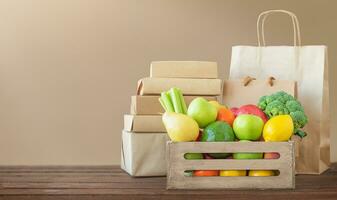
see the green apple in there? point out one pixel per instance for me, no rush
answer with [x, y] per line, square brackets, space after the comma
[248, 127]
[193, 156]
[202, 111]
[247, 155]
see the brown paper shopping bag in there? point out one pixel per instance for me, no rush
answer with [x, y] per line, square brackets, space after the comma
[308, 66]
[239, 92]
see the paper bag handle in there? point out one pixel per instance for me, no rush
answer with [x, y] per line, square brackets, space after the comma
[249, 79]
[261, 20]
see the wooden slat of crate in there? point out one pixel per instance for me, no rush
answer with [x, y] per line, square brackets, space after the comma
[177, 165]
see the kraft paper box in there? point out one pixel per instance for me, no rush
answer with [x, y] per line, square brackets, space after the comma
[184, 69]
[144, 124]
[203, 87]
[144, 154]
[149, 105]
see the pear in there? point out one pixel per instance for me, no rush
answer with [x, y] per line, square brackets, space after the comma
[180, 127]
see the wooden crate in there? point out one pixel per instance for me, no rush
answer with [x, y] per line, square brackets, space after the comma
[177, 164]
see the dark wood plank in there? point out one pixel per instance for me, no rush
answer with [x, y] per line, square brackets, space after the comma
[110, 182]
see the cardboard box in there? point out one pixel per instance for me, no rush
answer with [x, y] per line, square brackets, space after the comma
[149, 105]
[197, 87]
[144, 124]
[184, 69]
[144, 154]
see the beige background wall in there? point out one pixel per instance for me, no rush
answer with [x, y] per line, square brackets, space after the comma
[69, 67]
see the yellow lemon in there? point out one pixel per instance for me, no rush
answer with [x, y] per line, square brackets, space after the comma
[180, 127]
[233, 173]
[261, 173]
[278, 128]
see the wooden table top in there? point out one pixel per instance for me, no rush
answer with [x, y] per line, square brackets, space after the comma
[110, 182]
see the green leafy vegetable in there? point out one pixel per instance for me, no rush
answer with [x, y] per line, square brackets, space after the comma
[281, 103]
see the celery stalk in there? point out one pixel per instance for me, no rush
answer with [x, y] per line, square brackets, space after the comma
[175, 97]
[162, 103]
[167, 102]
[182, 102]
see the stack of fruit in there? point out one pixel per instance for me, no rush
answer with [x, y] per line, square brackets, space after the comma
[144, 124]
[275, 118]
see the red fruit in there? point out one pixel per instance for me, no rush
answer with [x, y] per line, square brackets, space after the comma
[199, 136]
[272, 155]
[252, 110]
[206, 156]
[235, 111]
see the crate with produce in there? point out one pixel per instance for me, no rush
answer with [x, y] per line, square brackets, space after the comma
[213, 146]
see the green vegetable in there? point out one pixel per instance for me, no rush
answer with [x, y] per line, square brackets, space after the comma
[281, 103]
[165, 99]
[182, 100]
[175, 97]
[173, 101]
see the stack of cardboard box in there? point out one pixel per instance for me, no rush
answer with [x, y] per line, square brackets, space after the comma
[144, 136]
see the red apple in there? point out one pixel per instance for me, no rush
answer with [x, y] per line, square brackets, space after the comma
[252, 110]
[199, 136]
[272, 155]
[235, 111]
[206, 156]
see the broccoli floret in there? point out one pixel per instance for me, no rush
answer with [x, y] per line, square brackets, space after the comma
[271, 98]
[262, 103]
[293, 106]
[281, 103]
[299, 118]
[274, 108]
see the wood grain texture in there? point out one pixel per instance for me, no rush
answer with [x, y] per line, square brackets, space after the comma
[110, 182]
[177, 164]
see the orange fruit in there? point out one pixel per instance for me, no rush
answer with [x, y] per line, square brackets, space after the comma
[206, 173]
[226, 115]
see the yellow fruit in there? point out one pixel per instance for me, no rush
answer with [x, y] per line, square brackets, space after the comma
[261, 173]
[180, 127]
[217, 105]
[278, 128]
[233, 173]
